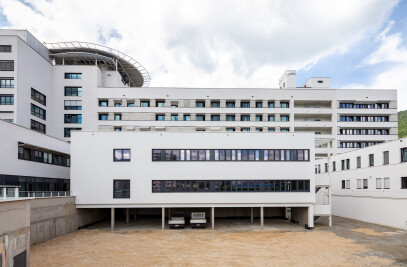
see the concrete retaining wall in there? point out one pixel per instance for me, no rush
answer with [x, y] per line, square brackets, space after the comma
[52, 217]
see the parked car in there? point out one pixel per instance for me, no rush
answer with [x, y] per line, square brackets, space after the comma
[198, 219]
[177, 220]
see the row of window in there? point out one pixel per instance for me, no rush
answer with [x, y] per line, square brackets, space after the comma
[364, 106]
[73, 118]
[43, 156]
[32, 184]
[38, 126]
[67, 131]
[73, 75]
[209, 186]
[6, 82]
[345, 163]
[381, 183]
[216, 117]
[364, 118]
[364, 132]
[357, 144]
[230, 155]
[37, 96]
[38, 112]
[6, 65]
[6, 100]
[201, 104]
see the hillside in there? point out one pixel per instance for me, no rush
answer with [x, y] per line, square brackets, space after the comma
[402, 123]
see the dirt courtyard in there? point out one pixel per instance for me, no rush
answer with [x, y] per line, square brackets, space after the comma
[349, 243]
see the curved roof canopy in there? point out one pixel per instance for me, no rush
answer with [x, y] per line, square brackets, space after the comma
[83, 53]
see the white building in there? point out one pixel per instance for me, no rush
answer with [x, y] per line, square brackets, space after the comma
[193, 170]
[34, 161]
[369, 184]
[68, 86]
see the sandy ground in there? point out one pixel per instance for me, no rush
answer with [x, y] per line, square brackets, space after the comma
[95, 247]
[368, 231]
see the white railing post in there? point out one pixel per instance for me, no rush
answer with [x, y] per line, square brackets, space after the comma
[4, 193]
[16, 193]
[43, 194]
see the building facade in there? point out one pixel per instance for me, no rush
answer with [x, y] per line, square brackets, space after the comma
[143, 170]
[82, 86]
[369, 184]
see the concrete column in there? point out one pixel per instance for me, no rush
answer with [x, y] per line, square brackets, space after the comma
[163, 218]
[251, 215]
[330, 220]
[311, 217]
[261, 216]
[112, 219]
[213, 218]
[127, 215]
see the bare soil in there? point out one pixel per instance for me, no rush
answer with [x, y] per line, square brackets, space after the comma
[203, 248]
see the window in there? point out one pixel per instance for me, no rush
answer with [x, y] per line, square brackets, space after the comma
[245, 118]
[67, 131]
[343, 164]
[103, 103]
[117, 117]
[365, 183]
[245, 104]
[284, 105]
[200, 117]
[403, 182]
[43, 156]
[271, 118]
[200, 104]
[6, 100]
[245, 130]
[272, 130]
[215, 117]
[38, 112]
[259, 104]
[347, 184]
[37, 126]
[347, 164]
[386, 183]
[404, 154]
[358, 162]
[144, 104]
[215, 104]
[271, 104]
[73, 118]
[160, 104]
[359, 183]
[285, 118]
[174, 117]
[5, 48]
[73, 91]
[121, 188]
[121, 154]
[117, 129]
[117, 105]
[343, 184]
[378, 183]
[6, 65]
[259, 129]
[385, 157]
[284, 130]
[103, 117]
[73, 104]
[371, 160]
[319, 168]
[160, 117]
[6, 82]
[230, 117]
[259, 117]
[326, 167]
[334, 166]
[37, 96]
[187, 117]
[73, 75]
[230, 129]
[230, 104]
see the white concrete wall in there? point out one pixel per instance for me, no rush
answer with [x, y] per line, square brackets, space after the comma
[381, 206]
[93, 169]
[11, 134]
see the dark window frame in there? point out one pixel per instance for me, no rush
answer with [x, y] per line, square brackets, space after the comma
[122, 151]
[123, 189]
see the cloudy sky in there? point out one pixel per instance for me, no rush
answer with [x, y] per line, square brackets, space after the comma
[216, 43]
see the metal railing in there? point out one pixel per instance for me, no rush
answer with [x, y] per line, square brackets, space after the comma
[13, 192]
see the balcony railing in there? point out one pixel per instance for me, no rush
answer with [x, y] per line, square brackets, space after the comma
[13, 192]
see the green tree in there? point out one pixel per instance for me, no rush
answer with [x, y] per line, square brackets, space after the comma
[402, 123]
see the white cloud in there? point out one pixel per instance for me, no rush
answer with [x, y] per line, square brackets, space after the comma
[207, 43]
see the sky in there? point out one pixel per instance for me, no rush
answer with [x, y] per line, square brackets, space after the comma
[230, 43]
